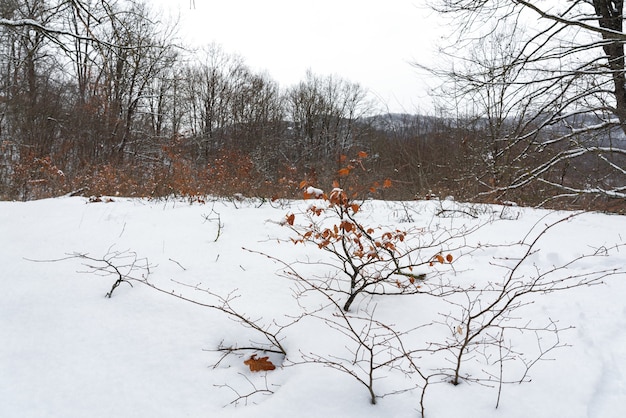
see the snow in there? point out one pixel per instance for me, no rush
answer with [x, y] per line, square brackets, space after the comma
[68, 351]
[314, 192]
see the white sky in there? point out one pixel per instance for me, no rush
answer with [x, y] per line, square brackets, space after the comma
[364, 41]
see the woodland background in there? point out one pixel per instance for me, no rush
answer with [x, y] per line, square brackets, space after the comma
[101, 98]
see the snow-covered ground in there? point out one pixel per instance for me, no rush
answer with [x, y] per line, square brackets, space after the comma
[68, 351]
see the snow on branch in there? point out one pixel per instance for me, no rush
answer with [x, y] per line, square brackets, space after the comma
[608, 33]
[53, 33]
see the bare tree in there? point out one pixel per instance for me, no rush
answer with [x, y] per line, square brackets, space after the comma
[27, 75]
[209, 91]
[140, 54]
[555, 90]
[77, 78]
[57, 30]
[324, 112]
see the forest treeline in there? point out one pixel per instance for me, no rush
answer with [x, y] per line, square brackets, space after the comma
[110, 103]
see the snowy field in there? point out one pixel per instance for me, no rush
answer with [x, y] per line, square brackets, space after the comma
[68, 351]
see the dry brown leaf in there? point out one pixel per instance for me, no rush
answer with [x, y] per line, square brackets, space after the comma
[258, 364]
[344, 172]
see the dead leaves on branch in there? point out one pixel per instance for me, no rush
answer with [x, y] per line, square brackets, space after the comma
[359, 241]
[370, 256]
[439, 258]
[342, 195]
[338, 197]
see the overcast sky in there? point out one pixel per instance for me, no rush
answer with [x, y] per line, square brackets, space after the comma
[364, 41]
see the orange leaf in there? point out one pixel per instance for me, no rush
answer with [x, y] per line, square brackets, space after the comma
[386, 184]
[338, 197]
[344, 172]
[291, 218]
[354, 207]
[342, 158]
[259, 364]
[449, 258]
[303, 184]
[439, 258]
[362, 154]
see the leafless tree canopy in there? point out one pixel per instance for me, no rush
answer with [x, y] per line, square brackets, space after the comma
[545, 81]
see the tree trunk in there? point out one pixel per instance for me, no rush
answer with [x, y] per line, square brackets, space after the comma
[610, 13]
